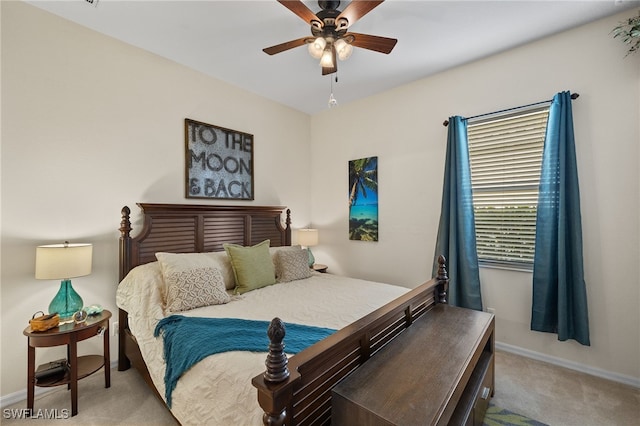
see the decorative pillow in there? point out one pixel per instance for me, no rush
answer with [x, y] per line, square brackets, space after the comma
[193, 288]
[274, 250]
[252, 266]
[174, 262]
[292, 265]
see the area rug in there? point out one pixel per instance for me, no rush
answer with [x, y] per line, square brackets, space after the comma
[496, 416]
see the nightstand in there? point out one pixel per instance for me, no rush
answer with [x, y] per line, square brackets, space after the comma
[319, 267]
[80, 367]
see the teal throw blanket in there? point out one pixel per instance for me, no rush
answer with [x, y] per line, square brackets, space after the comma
[188, 340]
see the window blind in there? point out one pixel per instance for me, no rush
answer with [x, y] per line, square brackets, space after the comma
[505, 153]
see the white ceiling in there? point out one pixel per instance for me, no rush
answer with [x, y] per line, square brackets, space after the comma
[224, 39]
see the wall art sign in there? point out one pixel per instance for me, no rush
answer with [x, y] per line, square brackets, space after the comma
[219, 162]
[363, 199]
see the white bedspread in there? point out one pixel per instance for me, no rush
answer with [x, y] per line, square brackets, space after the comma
[218, 390]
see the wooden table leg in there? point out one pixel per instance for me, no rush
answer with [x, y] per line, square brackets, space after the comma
[107, 357]
[73, 360]
[31, 376]
[69, 363]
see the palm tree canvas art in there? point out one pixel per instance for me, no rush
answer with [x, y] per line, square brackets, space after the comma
[363, 199]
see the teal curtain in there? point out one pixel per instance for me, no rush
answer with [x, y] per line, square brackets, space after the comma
[457, 230]
[559, 293]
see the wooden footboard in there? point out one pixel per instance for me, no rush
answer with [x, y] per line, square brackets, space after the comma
[297, 391]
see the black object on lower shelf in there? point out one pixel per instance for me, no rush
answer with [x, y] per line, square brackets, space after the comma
[53, 368]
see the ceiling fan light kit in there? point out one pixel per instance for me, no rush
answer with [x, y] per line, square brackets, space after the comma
[329, 28]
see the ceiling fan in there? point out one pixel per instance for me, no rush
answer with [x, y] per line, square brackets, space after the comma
[329, 28]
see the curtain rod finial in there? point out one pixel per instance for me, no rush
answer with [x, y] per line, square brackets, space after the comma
[575, 96]
[445, 123]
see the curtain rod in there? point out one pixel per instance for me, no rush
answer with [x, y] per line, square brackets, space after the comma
[574, 96]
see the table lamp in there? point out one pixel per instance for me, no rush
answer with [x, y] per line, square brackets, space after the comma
[308, 237]
[63, 262]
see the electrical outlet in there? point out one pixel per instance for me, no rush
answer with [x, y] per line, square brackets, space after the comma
[114, 329]
[491, 310]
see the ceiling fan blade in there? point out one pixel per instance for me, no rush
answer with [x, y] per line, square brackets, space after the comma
[377, 43]
[299, 8]
[356, 10]
[285, 46]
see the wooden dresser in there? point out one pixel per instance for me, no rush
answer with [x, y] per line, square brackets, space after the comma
[440, 371]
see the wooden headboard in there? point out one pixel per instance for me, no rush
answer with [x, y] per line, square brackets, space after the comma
[191, 228]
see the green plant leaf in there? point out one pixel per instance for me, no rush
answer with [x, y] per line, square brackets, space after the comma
[629, 33]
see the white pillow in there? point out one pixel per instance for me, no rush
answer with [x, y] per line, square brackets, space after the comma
[142, 283]
[192, 288]
[174, 262]
[142, 294]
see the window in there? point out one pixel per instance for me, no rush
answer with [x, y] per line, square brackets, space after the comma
[505, 153]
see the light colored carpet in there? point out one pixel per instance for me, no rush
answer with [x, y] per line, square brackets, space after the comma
[128, 402]
[549, 394]
[561, 397]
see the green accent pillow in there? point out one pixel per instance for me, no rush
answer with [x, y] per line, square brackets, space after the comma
[252, 266]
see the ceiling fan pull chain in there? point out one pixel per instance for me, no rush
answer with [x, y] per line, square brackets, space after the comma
[333, 102]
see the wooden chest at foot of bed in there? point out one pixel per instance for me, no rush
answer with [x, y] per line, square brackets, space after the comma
[439, 371]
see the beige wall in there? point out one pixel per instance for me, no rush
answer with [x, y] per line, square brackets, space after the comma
[89, 125]
[403, 127]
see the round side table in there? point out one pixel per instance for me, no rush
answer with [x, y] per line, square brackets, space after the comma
[79, 367]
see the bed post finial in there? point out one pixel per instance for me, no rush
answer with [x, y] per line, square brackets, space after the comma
[125, 243]
[443, 280]
[125, 223]
[276, 362]
[277, 372]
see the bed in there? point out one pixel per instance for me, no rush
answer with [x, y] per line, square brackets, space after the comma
[361, 316]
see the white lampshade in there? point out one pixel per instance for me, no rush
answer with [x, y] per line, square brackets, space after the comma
[317, 47]
[63, 261]
[308, 237]
[326, 60]
[343, 49]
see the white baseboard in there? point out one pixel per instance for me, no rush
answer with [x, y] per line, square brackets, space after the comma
[21, 395]
[593, 371]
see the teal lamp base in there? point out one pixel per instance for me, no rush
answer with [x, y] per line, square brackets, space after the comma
[66, 303]
[312, 259]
